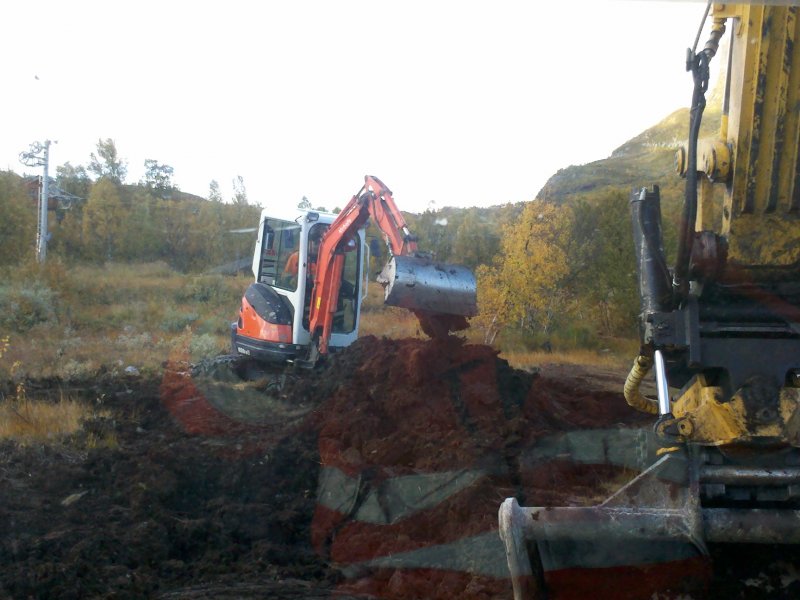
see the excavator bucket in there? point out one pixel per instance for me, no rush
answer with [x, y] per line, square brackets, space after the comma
[650, 536]
[632, 540]
[422, 284]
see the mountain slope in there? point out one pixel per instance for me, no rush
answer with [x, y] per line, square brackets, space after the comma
[644, 160]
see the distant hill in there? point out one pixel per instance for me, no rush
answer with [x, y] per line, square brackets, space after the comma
[173, 194]
[644, 160]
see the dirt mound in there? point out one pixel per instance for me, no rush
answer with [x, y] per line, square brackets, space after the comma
[189, 497]
[379, 475]
[419, 442]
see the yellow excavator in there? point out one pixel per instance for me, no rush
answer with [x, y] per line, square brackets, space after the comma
[720, 330]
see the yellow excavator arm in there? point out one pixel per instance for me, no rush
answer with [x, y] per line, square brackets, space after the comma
[755, 155]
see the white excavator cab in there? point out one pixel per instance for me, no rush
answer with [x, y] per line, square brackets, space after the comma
[274, 320]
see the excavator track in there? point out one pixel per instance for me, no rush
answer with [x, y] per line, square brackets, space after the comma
[247, 391]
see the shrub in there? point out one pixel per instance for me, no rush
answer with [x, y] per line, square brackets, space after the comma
[74, 370]
[576, 336]
[133, 341]
[203, 346]
[175, 320]
[206, 289]
[22, 307]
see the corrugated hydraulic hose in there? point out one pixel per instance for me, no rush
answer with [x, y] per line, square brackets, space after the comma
[641, 367]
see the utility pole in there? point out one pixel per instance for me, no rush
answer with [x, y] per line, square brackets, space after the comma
[39, 156]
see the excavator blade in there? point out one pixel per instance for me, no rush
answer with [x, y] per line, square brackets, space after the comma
[422, 284]
[647, 532]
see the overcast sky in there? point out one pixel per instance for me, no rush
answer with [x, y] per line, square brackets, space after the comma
[457, 102]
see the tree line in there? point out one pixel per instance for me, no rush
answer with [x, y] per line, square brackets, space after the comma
[146, 221]
[543, 269]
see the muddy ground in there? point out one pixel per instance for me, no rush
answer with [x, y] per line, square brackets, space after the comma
[370, 478]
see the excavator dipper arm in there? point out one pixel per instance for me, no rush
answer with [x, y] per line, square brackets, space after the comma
[374, 200]
[429, 287]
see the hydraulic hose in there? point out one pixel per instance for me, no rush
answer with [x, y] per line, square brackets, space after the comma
[698, 64]
[641, 367]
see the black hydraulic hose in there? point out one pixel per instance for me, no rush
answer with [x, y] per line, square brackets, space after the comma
[698, 64]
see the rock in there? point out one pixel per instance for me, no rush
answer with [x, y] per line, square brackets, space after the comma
[73, 498]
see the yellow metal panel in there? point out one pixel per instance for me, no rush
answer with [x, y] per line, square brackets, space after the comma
[704, 418]
[769, 240]
[760, 210]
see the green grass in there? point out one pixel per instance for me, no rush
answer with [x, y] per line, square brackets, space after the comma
[82, 320]
[114, 316]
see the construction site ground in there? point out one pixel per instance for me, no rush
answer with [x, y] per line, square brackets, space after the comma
[213, 490]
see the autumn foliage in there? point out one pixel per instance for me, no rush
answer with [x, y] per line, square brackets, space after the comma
[562, 270]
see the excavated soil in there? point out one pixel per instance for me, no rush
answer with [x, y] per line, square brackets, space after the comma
[362, 479]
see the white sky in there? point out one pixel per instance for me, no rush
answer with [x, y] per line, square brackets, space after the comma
[459, 102]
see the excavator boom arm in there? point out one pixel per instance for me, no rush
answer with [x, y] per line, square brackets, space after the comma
[373, 200]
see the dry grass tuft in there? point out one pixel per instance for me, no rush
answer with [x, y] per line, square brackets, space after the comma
[389, 322]
[25, 420]
[529, 358]
[107, 441]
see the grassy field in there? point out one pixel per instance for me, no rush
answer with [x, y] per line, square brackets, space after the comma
[74, 322]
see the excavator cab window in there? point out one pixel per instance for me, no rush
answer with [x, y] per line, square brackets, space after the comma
[314, 236]
[280, 254]
[267, 265]
[344, 320]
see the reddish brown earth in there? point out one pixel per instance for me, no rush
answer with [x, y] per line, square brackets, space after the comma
[196, 503]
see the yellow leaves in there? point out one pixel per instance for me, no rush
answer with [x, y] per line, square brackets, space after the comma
[17, 220]
[524, 284]
[563, 265]
[102, 219]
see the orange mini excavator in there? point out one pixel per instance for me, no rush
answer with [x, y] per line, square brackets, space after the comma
[310, 273]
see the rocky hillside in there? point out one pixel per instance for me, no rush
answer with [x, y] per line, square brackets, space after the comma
[644, 160]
